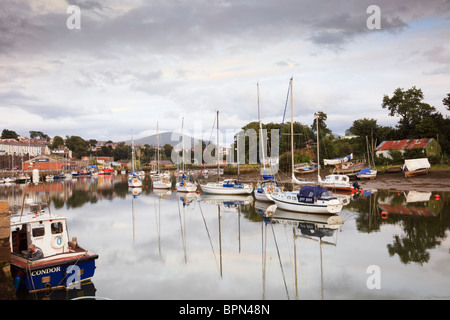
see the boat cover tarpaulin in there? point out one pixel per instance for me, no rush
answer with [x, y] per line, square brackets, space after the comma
[311, 191]
[338, 160]
[365, 171]
[416, 164]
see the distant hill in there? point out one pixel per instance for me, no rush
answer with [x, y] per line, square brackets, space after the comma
[164, 138]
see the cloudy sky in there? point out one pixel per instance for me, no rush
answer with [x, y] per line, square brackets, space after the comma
[134, 63]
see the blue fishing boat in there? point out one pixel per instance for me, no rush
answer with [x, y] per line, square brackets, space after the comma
[42, 257]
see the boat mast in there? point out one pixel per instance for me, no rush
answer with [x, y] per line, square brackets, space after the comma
[157, 141]
[316, 115]
[218, 164]
[260, 135]
[182, 139]
[292, 130]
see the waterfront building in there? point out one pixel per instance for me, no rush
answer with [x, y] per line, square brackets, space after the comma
[430, 146]
[43, 163]
[11, 147]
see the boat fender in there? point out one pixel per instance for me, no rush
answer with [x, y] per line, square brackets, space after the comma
[57, 242]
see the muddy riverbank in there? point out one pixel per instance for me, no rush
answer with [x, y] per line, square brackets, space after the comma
[435, 180]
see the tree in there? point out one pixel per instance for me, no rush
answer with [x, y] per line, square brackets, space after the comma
[78, 146]
[57, 142]
[409, 107]
[38, 134]
[167, 149]
[446, 101]
[9, 134]
[122, 151]
[323, 130]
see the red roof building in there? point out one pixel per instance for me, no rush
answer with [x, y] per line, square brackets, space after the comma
[43, 163]
[429, 145]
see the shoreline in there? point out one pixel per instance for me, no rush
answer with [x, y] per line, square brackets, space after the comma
[434, 180]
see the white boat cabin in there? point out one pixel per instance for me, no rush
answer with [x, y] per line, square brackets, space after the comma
[45, 231]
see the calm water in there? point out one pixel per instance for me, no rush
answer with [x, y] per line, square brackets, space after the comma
[169, 245]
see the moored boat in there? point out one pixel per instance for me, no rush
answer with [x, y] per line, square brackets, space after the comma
[264, 189]
[186, 185]
[309, 199]
[416, 167]
[227, 186]
[162, 184]
[337, 182]
[42, 257]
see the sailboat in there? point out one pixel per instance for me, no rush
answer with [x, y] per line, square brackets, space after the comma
[310, 199]
[134, 181]
[227, 186]
[267, 183]
[185, 185]
[160, 182]
[367, 173]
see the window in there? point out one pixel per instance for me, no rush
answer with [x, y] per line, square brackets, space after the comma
[57, 227]
[38, 231]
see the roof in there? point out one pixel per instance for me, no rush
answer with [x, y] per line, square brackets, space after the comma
[403, 144]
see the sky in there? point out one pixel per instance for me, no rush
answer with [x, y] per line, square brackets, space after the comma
[117, 68]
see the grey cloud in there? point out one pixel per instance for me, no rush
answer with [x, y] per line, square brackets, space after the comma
[46, 110]
[180, 28]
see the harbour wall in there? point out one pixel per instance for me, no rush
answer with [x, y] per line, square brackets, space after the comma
[7, 291]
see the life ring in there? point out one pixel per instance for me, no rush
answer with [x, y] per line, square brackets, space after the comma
[57, 242]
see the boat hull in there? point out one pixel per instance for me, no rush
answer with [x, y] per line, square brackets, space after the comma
[187, 187]
[319, 207]
[135, 183]
[162, 184]
[59, 273]
[226, 190]
[260, 195]
[415, 173]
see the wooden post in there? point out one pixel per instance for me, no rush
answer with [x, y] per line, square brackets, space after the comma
[7, 291]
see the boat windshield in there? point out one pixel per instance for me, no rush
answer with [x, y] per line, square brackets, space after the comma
[327, 195]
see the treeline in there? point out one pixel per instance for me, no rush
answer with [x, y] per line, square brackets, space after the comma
[417, 119]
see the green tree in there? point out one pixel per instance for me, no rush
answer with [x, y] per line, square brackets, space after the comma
[38, 134]
[167, 150]
[9, 134]
[408, 105]
[446, 101]
[323, 129]
[57, 142]
[78, 146]
[122, 152]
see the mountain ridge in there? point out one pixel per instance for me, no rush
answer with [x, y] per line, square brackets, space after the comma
[165, 138]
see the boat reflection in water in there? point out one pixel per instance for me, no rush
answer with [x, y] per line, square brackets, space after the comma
[308, 226]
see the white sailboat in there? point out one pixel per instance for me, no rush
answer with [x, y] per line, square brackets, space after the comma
[227, 186]
[267, 183]
[161, 182]
[368, 173]
[310, 199]
[185, 185]
[134, 181]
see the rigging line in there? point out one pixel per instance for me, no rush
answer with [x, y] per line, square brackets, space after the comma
[212, 130]
[209, 236]
[284, 114]
[181, 230]
[279, 259]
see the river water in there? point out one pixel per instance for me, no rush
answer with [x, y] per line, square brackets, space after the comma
[171, 245]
